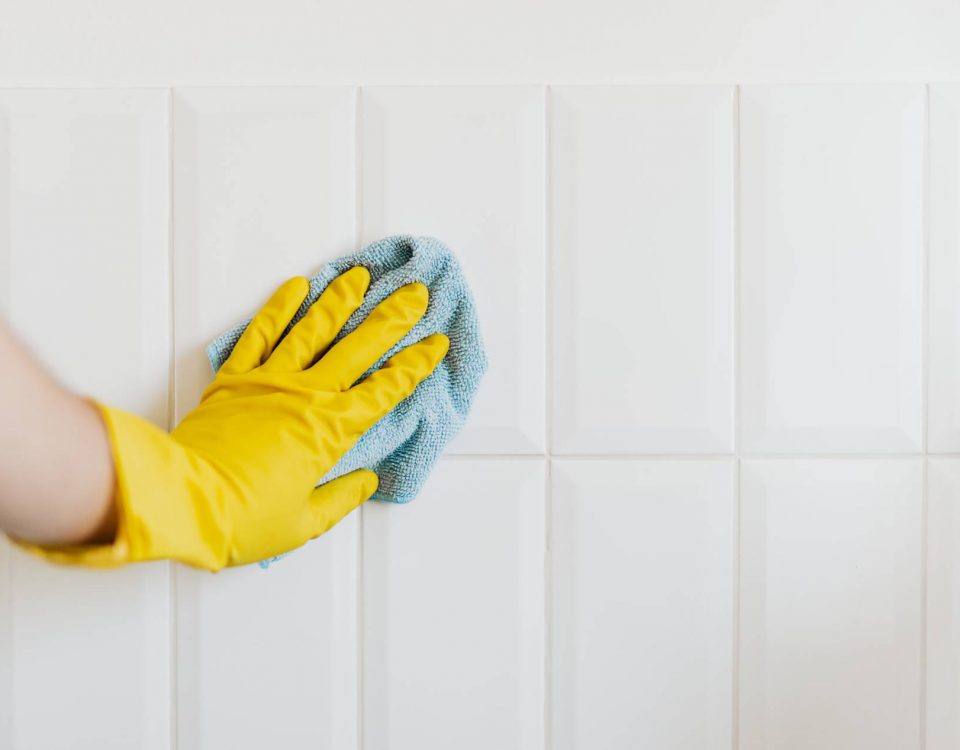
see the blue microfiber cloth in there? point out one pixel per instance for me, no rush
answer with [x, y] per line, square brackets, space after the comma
[403, 446]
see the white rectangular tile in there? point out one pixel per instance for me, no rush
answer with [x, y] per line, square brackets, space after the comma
[84, 235]
[943, 604]
[467, 165]
[830, 604]
[641, 204]
[268, 658]
[943, 327]
[643, 565]
[84, 241]
[265, 189]
[454, 611]
[831, 276]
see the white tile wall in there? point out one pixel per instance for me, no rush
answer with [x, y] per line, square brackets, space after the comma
[725, 273]
[83, 237]
[467, 165]
[642, 232]
[643, 569]
[453, 611]
[264, 189]
[831, 186]
[830, 604]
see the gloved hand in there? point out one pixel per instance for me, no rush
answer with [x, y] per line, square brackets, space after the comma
[234, 482]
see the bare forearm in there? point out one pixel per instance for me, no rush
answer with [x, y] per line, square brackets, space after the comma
[56, 471]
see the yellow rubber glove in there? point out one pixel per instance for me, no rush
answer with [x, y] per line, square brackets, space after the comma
[234, 482]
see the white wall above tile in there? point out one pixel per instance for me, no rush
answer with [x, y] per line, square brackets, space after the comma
[226, 42]
[642, 236]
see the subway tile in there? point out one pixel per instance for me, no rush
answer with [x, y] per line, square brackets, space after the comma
[268, 658]
[642, 569]
[642, 190]
[831, 274]
[830, 604]
[454, 611]
[943, 604]
[943, 329]
[265, 189]
[84, 251]
[467, 165]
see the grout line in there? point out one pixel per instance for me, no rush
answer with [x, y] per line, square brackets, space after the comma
[735, 240]
[924, 385]
[8, 649]
[692, 456]
[494, 83]
[358, 231]
[735, 676]
[924, 514]
[925, 278]
[173, 642]
[735, 667]
[548, 423]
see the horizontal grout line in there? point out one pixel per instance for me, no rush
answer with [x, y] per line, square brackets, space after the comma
[691, 456]
[492, 84]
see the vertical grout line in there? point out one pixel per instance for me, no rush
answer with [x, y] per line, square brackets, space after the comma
[735, 240]
[358, 231]
[925, 369]
[924, 513]
[548, 427]
[735, 210]
[925, 273]
[735, 694]
[173, 645]
[8, 647]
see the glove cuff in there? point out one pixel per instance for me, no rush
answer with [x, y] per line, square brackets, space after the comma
[157, 516]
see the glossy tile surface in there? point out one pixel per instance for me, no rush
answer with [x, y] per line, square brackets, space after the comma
[831, 268]
[688, 510]
[642, 232]
[643, 577]
[830, 604]
[84, 255]
[453, 611]
[265, 189]
[467, 166]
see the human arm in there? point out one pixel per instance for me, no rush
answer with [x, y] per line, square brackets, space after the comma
[235, 481]
[56, 470]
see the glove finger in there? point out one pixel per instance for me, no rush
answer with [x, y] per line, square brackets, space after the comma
[267, 326]
[323, 321]
[331, 502]
[389, 322]
[398, 377]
